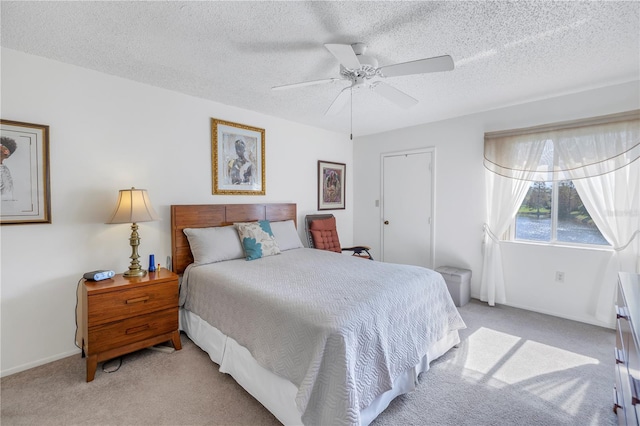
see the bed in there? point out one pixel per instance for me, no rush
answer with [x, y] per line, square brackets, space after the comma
[316, 337]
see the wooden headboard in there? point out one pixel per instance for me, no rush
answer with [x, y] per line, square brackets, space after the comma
[206, 215]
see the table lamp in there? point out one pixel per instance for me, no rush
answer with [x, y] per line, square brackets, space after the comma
[133, 207]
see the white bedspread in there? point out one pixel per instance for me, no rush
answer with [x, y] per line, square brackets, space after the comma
[340, 328]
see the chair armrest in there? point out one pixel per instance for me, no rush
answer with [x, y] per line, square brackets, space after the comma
[354, 248]
[359, 251]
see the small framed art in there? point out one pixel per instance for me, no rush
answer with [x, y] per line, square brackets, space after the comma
[238, 159]
[331, 185]
[24, 173]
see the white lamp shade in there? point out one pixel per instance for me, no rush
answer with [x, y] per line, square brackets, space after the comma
[133, 206]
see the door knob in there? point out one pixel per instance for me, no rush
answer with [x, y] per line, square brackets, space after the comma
[386, 222]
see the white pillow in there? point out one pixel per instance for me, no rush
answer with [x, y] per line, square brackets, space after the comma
[210, 245]
[286, 235]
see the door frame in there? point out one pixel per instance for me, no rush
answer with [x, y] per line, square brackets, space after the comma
[432, 228]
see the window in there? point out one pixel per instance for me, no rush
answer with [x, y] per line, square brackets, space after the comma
[595, 158]
[552, 211]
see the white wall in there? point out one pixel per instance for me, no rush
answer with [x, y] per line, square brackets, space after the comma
[460, 203]
[106, 134]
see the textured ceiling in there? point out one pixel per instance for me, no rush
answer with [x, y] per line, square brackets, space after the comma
[234, 52]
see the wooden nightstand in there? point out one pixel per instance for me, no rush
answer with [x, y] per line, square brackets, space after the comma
[122, 315]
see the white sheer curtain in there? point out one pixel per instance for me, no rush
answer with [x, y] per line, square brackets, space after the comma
[504, 197]
[600, 155]
[612, 197]
[613, 201]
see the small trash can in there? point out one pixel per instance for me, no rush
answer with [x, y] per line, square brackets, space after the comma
[458, 282]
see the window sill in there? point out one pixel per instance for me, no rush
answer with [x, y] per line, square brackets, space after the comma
[562, 245]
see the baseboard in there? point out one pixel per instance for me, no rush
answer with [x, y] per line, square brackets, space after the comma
[555, 314]
[23, 367]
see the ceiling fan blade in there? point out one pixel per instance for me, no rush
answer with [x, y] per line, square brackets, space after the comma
[345, 55]
[394, 95]
[339, 102]
[439, 63]
[306, 83]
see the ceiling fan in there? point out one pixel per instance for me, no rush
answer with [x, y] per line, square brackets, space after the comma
[363, 72]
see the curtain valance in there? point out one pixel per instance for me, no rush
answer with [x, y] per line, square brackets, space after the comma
[569, 150]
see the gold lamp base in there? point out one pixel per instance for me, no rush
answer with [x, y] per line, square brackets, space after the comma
[130, 273]
[134, 269]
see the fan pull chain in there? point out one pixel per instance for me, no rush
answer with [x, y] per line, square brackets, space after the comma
[351, 108]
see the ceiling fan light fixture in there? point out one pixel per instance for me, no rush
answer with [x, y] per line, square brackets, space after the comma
[366, 60]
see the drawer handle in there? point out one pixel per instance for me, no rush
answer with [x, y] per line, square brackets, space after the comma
[616, 406]
[619, 356]
[635, 388]
[137, 300]
[621, 312]
[137, 329]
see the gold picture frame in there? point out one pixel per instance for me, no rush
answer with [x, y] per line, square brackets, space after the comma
[24, 173]
[331, 185]
[238, 159]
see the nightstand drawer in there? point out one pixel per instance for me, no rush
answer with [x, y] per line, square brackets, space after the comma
[120, 333]
[116, 305]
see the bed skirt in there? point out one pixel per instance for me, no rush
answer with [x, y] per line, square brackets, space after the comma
[277, 394]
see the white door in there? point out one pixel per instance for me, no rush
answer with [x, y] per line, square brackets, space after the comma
[407, 208]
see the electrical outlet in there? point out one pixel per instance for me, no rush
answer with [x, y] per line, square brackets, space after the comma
[559, 276]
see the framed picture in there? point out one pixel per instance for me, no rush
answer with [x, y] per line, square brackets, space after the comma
[24, 173]
[331, 185]
[238, 165]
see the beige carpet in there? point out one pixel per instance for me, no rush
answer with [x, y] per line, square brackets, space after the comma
[513, 367]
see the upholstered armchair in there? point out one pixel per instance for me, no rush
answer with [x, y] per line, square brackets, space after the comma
[322, 234]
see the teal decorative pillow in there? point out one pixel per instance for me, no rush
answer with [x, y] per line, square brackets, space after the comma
[257, 239]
